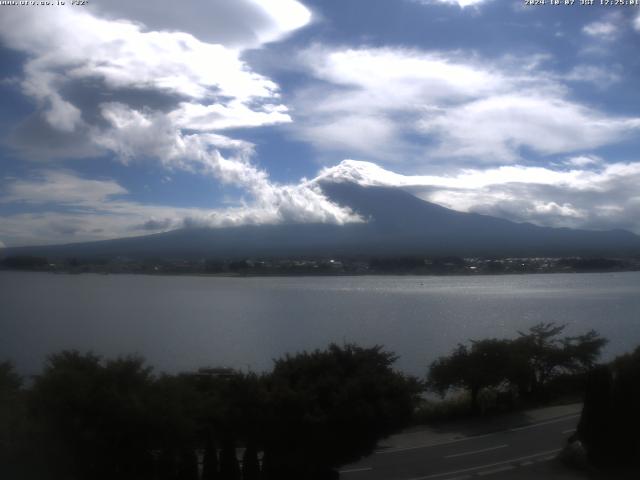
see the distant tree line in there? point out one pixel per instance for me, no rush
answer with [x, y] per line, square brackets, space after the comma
[417, 264]
[526, 366]
[25, 262]
[85, 417]
[322, 265]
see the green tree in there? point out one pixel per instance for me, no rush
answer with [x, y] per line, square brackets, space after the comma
[229, 468]
[250, 464]
[25, 262]
[484, 364]
[610, 418]
[174, 411]
[93, 416]
[583, 350]
[330, 407]
[187, 464]
[12, 420]
[625, 411]
[64, 402]
[594, 427]
[540, 355]
[210, 461]
[231, 405]
[528, 362]
[543, 352]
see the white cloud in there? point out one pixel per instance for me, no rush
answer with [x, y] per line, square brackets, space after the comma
[70, 45]
[495, 128]
[60, 187]
[370, 174]
[599, 76]
[604, 32]
[238, 24]
[583, 161]
[164, 95]
[378, 94]
[396, 79]
[607, 29]
[61, 114]
[594, 196]
[72, 208]
[369, 134]
[385, 103]
[235, 114]
[636, 22]
[460, 3]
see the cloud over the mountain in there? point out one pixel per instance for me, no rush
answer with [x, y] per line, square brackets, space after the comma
[144, 90]
[584, 193]
[73, 208]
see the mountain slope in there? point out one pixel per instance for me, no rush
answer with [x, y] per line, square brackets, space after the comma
[416, 223]
[398, 223]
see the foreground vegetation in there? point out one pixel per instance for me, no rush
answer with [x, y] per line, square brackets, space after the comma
[85, 417]
[88, 418]
[532, 368]
[610, 420]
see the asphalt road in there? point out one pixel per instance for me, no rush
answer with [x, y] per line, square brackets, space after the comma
[483, 456]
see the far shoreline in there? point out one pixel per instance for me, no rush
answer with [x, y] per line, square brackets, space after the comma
[313, 275]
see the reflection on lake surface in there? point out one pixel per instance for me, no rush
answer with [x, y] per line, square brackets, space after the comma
[179, 323]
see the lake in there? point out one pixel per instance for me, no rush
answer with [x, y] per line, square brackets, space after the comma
[180, 323]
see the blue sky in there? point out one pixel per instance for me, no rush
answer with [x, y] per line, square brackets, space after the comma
[124, 118]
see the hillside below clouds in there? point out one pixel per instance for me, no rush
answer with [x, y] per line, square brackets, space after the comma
[397, 223]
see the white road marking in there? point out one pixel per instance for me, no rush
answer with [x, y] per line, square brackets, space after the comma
[473, 437]
[354, 470]
[547, 459]
[517, 429]
[475, 451]
[480, 467]
[496, 470]
[428, 445]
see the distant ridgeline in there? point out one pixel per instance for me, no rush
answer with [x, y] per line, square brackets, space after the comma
[397, 225]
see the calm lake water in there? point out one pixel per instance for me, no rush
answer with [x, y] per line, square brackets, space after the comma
[180, 323]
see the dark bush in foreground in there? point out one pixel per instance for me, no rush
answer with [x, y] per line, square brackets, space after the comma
[528, 366]
[331, 407]
[610, 420]
[89, 418]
